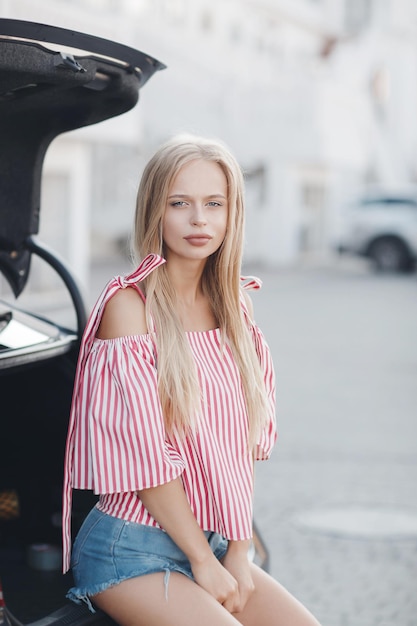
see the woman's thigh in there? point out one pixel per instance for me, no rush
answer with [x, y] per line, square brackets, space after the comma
[152, 600]
[272, 605]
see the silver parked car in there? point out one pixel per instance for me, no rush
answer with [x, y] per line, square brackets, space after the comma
[383, 228]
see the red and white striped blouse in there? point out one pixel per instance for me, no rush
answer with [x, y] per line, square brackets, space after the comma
[117, 443]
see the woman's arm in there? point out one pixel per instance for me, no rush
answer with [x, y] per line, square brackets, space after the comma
[168, 504]
[124, 314]
[236, 561]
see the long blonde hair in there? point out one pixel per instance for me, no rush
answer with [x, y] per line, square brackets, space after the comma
[177, 378]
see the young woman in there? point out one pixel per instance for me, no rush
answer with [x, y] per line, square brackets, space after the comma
[174, 399]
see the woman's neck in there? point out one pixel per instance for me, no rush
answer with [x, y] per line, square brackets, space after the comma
[185, 279]
[191, 304]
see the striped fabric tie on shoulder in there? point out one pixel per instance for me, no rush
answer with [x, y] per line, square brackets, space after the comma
[250, 283]
[148, 265]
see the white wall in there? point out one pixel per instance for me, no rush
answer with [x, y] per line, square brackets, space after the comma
[281, 81]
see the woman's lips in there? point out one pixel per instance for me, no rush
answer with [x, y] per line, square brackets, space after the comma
[198, 240]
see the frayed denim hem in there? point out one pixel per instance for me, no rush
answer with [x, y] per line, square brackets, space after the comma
[80, 599]
[82, 595]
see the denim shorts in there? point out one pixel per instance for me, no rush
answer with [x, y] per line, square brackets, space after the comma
[108, 550]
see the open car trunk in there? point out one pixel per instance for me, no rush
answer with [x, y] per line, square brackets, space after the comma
[52, 80]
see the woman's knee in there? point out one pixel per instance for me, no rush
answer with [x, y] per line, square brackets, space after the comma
[272, 605]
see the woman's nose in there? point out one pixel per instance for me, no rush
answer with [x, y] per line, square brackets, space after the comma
[198, 217]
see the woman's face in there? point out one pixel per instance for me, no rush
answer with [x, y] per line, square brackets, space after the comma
[195, 219]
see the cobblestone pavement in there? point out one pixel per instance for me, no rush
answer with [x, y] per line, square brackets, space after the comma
[344, 342]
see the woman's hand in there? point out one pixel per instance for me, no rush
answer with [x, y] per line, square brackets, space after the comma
[236, 562]
[168, 504]
[212, 576]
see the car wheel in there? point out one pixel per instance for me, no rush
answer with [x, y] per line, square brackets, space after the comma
[389, 255]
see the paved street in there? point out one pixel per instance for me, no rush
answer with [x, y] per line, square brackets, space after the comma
[337, 502]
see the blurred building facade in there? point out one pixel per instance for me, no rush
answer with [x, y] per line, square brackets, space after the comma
[315, 97]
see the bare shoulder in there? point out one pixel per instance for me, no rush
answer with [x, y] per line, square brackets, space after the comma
[124, 314]
[249, 303]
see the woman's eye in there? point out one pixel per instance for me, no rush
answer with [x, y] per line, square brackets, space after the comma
[214, 203]
[178, 203]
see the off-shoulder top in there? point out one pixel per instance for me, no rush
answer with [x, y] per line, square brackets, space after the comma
[117, 443]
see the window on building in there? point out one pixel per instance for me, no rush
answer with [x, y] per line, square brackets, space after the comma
[53, 230]
[313, 226]
[207, 21]
[111, 204]
[357, 14]
[235, 33]
[255, 182]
